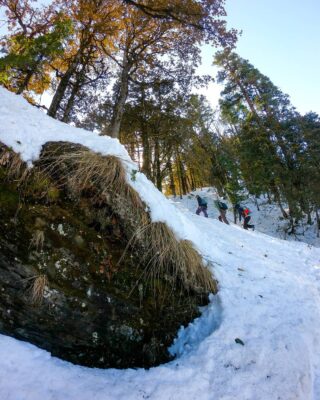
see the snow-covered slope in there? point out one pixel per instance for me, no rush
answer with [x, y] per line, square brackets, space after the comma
[257, 340]
[268, 219]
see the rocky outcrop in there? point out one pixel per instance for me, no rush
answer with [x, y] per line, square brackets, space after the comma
[72, 280]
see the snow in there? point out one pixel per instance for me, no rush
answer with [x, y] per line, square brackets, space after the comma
[269, 298]
[26, 129]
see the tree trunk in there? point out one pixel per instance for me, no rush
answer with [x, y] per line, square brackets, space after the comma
[269, 198]
[171, 177]
[24, 85]
[182, 176]
[118, 110]
[188, 182]
[157, 164]
[146, 153]
[235, 215]
[63, 84]
[139, 156]
[277, 198]
[244, 91]
[70, 103]
[179, 176]
[184, 180]
[80, 76]
[256, 203]
[146, 159]
[309, 218]
[284, 213]
[192, 180]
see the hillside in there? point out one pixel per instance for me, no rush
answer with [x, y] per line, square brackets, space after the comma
[256, 340]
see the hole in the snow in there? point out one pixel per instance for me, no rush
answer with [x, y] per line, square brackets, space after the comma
[197, 331]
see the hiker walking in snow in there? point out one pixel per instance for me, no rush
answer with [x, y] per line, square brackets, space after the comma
[202, 206]
[222, 208]
[238, 209]
[247, 216]
[245, 213]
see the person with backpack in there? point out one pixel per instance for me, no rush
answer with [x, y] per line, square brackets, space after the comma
[202, 206]
[222, 208]
[245, 213]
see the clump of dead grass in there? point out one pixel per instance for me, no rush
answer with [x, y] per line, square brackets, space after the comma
[82, 171]
[80, 167]
[30, 181]
[12, 162]
[37, 240]
[37, 289]
[164, 254]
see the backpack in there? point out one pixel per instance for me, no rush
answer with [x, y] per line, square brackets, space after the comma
[204, 203]
[246, 211]
[222, 205]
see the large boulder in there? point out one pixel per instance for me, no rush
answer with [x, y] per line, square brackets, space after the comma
[78, 276]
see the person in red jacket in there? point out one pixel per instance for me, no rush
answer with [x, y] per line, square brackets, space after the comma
[245, 213]
[247, 216]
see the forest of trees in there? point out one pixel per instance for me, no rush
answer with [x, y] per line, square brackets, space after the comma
[128, 69]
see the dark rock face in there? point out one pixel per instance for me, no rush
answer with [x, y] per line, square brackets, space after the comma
[63, 288]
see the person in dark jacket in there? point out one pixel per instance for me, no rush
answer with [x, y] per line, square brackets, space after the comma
[222, 208]
[202, 206]
[239, 210]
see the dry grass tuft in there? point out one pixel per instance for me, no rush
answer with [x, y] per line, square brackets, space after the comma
[83, 169]
[164, 254]
[198, 275]
[16, 168]
[37, 289]
[105, 173]
[37, 240]
[12, 161]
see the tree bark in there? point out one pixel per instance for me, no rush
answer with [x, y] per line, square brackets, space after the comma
[146, 156]
[256, 203]
[171, 177]
[80, 76]
[70, 103]
[118, 110]
[269, 198]
[59, 94]
[192, 180]
[24, 85]
[184, 186]
[146, 161]
[235, 215]
[157, 164]
[284, 213]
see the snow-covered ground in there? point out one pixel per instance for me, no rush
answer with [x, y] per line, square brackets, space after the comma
[259, 338]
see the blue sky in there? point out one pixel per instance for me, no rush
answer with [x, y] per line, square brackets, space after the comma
[282, 39]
